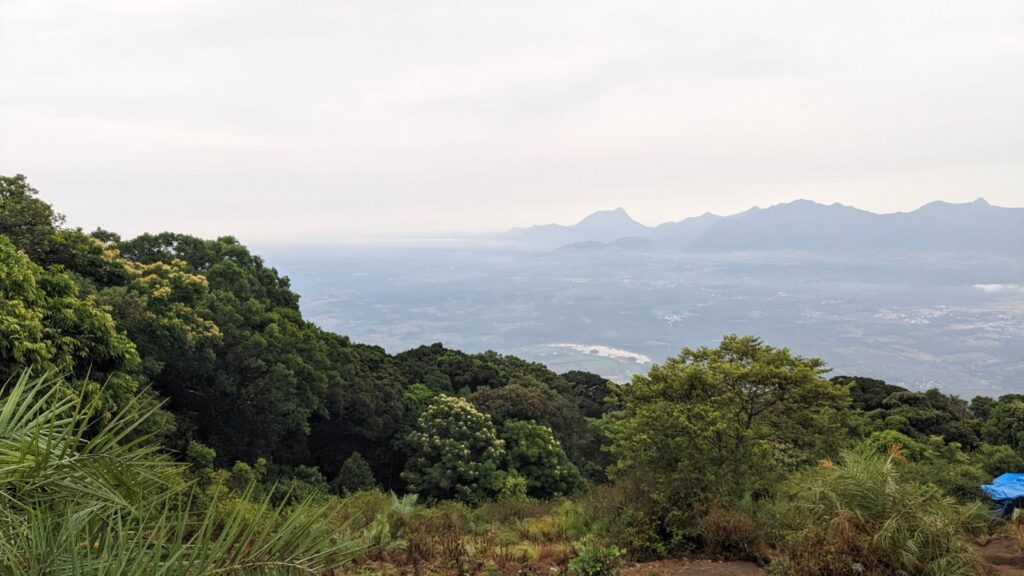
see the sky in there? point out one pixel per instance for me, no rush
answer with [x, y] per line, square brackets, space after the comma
[321, 121]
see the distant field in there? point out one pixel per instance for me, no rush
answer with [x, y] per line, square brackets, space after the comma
[955, 321]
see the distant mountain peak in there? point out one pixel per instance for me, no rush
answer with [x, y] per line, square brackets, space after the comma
[615, 215]
[981, 202]
[800, 202]
[601, 226]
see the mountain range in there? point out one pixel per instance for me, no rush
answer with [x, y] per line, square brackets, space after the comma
[797, 225]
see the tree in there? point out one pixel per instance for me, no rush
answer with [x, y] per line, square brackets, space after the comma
[270, 384]
[157, 309]
[45, 323]
[588, 392]
[867, 393]
[1005, 423]
[456, 453]
[534, 453]
[26, 220]
[36, 229]
[720, 422]
[355, 475]
[924, 414]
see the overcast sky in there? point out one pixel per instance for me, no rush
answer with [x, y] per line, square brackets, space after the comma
[333, 120]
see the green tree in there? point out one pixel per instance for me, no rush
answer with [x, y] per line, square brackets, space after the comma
[46, 323]
[924, 414]
[530, 399]
[719, 422]
[456, 453]
[355, 476]
[533, 452]
[26, 220]
[270, 384]
[589, 391]
[157, 309]
[36, 229]
[867, 393]
[1005, 423]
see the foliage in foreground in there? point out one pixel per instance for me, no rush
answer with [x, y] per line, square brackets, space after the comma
[78, 496]
[862, 512]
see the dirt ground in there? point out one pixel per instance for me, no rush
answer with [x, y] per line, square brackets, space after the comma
[1002, 556]
[684, 567]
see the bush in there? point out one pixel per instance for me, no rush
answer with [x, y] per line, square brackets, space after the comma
[507, 511]
[958, 473]
[863, 512]
[595, 560]
[80, 497]
[733, 534]
[361, 508]
[437, 535]
[625, 514]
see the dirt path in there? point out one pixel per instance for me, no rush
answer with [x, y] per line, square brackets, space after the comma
[1002, 554]
[684, 567]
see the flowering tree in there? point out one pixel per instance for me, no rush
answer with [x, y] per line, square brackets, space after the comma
[456, 453]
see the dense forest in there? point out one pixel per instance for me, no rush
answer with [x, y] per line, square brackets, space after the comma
[167, 409]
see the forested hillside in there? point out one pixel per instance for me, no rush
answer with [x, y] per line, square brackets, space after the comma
[196, 349]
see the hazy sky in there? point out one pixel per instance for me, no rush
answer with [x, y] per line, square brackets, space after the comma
[319, 121]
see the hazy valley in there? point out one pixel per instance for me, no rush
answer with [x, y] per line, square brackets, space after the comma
[920, 318]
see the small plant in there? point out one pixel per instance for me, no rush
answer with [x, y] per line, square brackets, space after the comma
[596, 560]
[733, 534]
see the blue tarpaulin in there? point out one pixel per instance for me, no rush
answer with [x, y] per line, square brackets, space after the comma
[1007, 490]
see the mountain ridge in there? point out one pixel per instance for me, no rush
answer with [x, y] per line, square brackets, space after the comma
[798, 225]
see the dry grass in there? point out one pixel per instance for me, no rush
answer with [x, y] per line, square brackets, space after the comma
[1018, 531]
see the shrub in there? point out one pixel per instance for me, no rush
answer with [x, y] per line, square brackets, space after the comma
[507, 511]
[625, 513]
[437, 535]
[82, 497]
[863, 512]
[298, 484]
[733, 534]
[956, 472]
[593, 559]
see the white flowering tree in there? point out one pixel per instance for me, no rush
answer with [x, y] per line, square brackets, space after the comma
[455, 453]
